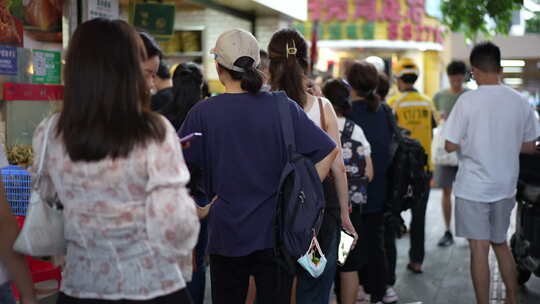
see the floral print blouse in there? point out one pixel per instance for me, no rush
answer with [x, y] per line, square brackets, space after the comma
[130, 223]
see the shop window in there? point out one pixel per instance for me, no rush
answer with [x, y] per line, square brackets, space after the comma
[184, 43]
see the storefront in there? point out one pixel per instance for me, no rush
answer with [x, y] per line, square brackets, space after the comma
[390, 29]
[198, 23]
[36, 32]
[30, 66]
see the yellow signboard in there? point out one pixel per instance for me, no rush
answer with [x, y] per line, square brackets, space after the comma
[404, 20]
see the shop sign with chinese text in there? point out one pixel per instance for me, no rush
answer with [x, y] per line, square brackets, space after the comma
[47, 66]
[157, 18]
[8, 60]
[404, 20]
[108, 9]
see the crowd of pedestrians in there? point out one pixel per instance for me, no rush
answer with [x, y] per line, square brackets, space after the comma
[145, 211]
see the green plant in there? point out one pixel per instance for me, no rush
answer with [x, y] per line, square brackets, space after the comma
[470, 17]
[533, 24]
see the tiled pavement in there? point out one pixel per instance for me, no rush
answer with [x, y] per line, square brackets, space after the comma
[446, 270]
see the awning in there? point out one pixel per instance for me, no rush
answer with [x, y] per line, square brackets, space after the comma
[381, 44]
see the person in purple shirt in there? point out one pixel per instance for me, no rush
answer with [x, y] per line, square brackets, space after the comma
[241, 154]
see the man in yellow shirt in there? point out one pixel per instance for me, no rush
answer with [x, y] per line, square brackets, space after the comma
[416, 113]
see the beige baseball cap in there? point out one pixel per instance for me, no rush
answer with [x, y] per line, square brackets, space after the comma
[235, 44]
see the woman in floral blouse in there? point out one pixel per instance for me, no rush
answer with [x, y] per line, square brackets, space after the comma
[118, 169]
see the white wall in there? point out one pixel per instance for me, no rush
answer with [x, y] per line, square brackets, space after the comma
[265, 27]
[512, 47]
[215, 23]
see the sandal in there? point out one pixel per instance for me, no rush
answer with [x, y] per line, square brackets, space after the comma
[415, 268]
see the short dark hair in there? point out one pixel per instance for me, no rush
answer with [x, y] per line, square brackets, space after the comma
[456, 67]
[106, 109]
[187, 91]
[163, 71]
[251, 80]
[486, 56]
[409, 78]
[364, 79]
[151, 46]
[337, 91]
[384, 85]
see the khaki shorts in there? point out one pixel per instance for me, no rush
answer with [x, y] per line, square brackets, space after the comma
[484, 221]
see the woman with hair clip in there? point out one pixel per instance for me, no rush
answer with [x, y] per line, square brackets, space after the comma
[372, 117]
[241, 154]
[288, 72]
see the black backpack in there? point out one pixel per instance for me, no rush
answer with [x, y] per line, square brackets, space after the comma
[354, 164]
[408, 177]
[300, 197]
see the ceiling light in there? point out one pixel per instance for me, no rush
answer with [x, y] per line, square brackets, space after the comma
[513, 63]
[511, 69]
[513, 81]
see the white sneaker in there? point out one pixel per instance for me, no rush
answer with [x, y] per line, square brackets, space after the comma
[390, 296]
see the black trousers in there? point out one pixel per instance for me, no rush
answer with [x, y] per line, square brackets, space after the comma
[390, 235]
[178, 297]
[230, 278]
[418, 231]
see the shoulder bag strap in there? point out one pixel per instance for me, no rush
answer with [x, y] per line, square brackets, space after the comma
[286, 124]
[323, 117]
[44, 149]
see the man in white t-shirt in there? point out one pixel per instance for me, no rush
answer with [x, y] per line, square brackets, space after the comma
[489, 127]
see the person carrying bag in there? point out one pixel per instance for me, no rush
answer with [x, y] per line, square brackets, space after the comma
[43, 231]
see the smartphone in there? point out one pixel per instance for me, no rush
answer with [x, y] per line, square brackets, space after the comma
[345, 246]
[189, 137]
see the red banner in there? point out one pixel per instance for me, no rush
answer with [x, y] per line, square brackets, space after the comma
[23, 91]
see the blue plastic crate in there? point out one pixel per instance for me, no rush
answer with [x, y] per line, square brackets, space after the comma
[17, 185]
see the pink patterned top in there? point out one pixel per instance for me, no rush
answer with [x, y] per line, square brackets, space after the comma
[130, 223]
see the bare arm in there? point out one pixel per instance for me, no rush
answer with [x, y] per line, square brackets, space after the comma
[15, 263]
[529, 147]
[450, 146]
[369, 168]
[338, 170]
[323, 167]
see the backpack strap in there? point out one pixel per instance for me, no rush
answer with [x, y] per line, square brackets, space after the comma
[286, 123]
[323, 117]
[348, 130]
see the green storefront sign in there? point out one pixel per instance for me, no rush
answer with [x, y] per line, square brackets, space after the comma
[155, 18]
[47, 67]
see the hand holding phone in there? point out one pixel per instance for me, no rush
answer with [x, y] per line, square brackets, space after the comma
[345, 246]
[189, 137]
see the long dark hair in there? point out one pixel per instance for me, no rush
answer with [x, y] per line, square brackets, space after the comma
[364, 79]
[251, 79]
[289, 64]
[106, 100]
[187, 91]
[337, 91]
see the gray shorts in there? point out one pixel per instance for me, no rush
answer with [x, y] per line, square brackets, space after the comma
[445, 176]
[484, 221]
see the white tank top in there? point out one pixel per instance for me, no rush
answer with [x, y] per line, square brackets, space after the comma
[314, 112]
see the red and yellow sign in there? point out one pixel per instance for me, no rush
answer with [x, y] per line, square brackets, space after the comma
[404, 20]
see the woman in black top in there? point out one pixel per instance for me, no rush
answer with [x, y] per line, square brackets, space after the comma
[369, 114]
[185, 93]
